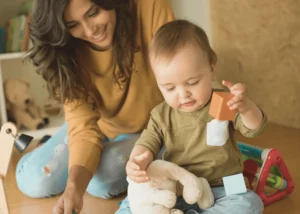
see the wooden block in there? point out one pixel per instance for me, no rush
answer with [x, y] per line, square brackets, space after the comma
[3, 202]
[218, 106]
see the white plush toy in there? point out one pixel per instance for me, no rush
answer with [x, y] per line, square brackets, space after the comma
[159, 195]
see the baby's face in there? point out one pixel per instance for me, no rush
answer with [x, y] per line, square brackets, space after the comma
[186, 80]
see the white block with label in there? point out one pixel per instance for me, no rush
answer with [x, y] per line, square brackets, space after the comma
[234, 184]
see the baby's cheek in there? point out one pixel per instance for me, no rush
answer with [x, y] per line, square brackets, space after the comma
[203, 96]
[175, 103]
[170, 100]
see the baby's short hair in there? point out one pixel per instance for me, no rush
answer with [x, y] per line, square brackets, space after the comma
[174, 35]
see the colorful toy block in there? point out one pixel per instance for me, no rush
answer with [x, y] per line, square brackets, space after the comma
[267, 173]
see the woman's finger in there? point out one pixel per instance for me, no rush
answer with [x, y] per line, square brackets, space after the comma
[58, 210]
[59, 207]
[69, 207]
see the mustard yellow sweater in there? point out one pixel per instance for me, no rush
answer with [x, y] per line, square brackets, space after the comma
[120, 110]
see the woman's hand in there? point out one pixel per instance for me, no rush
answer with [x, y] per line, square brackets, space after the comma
[137, 165]
[72, 198]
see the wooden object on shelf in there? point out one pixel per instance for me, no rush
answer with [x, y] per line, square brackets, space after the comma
[218, 107]
[3, 202]
[6, 148]
[9, 56]
[9, 138]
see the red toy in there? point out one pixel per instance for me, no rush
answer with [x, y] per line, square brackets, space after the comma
[272, 173]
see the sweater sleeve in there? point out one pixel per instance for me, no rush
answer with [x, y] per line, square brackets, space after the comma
[84, 135]
[245, 131]
[162, 13]
[152, 136]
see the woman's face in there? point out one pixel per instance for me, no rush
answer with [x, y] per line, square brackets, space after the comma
[87, 21]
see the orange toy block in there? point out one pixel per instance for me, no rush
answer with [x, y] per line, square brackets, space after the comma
[218, 107]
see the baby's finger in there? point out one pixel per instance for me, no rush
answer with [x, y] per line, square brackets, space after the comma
[132, 165]
[235, 99]
[131, 172]
[142, 156]
[237, 105]
[238, 88]
[228, 84]
[143, 179]
[138, 173]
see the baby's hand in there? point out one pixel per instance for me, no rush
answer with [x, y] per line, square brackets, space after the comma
[136, 168]
[239, 102]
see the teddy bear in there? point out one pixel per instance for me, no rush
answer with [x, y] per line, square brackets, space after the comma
[21, 106]
[167, 181]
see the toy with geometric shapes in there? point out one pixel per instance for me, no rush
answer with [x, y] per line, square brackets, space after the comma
[9, 138]
[218, 107]
[267, 173]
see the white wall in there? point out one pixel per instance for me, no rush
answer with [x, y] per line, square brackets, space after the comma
[196, 11]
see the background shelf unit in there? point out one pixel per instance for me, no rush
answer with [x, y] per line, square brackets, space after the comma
[13, 65]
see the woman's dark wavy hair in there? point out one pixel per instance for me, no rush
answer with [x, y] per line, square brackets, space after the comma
[54, 49]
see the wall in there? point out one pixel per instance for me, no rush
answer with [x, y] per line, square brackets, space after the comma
[258, 43]
[196, 11]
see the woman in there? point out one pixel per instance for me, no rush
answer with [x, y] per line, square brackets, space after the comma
[93, 55]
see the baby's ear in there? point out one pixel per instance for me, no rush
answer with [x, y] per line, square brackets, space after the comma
[213, 72]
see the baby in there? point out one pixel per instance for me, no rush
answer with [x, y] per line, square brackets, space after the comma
[184, 66]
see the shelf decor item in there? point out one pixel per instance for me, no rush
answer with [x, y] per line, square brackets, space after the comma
[9, 138]
[21, 105]
[12, 65]
[2, 37]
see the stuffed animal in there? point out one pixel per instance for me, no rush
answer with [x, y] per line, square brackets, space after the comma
[160, 194]
[21, 106]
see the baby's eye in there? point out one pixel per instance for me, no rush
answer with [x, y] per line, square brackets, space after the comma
[170, 88]
[193, 83]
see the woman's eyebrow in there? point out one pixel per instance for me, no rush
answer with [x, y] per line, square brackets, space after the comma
[89, 10]
[85, 14]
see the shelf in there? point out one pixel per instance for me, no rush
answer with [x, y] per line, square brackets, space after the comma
[9, 56]
[54, 125]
